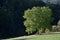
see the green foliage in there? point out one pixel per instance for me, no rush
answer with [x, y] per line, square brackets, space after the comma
[37, 18]
[58, 26]
[59, 22]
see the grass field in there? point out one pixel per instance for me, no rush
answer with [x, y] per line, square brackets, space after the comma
[40, 37]
[47, 37]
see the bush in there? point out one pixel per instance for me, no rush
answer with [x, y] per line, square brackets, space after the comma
[58, 25]
[56, 28]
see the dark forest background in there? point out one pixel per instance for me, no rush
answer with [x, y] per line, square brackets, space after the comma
[11, 12]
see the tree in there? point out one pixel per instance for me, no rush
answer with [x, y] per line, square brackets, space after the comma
[38, 18]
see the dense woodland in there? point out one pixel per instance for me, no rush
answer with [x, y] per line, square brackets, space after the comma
[11, 16]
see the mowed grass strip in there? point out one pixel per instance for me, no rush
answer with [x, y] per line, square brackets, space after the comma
[47, 37]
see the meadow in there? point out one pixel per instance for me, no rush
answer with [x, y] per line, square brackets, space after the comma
[39, 37]
[47, 37]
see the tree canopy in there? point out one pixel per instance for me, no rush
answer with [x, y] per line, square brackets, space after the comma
[37, 18]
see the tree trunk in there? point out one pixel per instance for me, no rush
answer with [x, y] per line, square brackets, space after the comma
[43, 31]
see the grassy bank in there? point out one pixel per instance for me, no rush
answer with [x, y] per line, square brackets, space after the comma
[38, 37]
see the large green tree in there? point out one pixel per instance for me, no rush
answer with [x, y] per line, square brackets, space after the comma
[38, 18]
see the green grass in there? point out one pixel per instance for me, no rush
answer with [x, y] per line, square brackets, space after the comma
[41, 37]
[47, 37]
